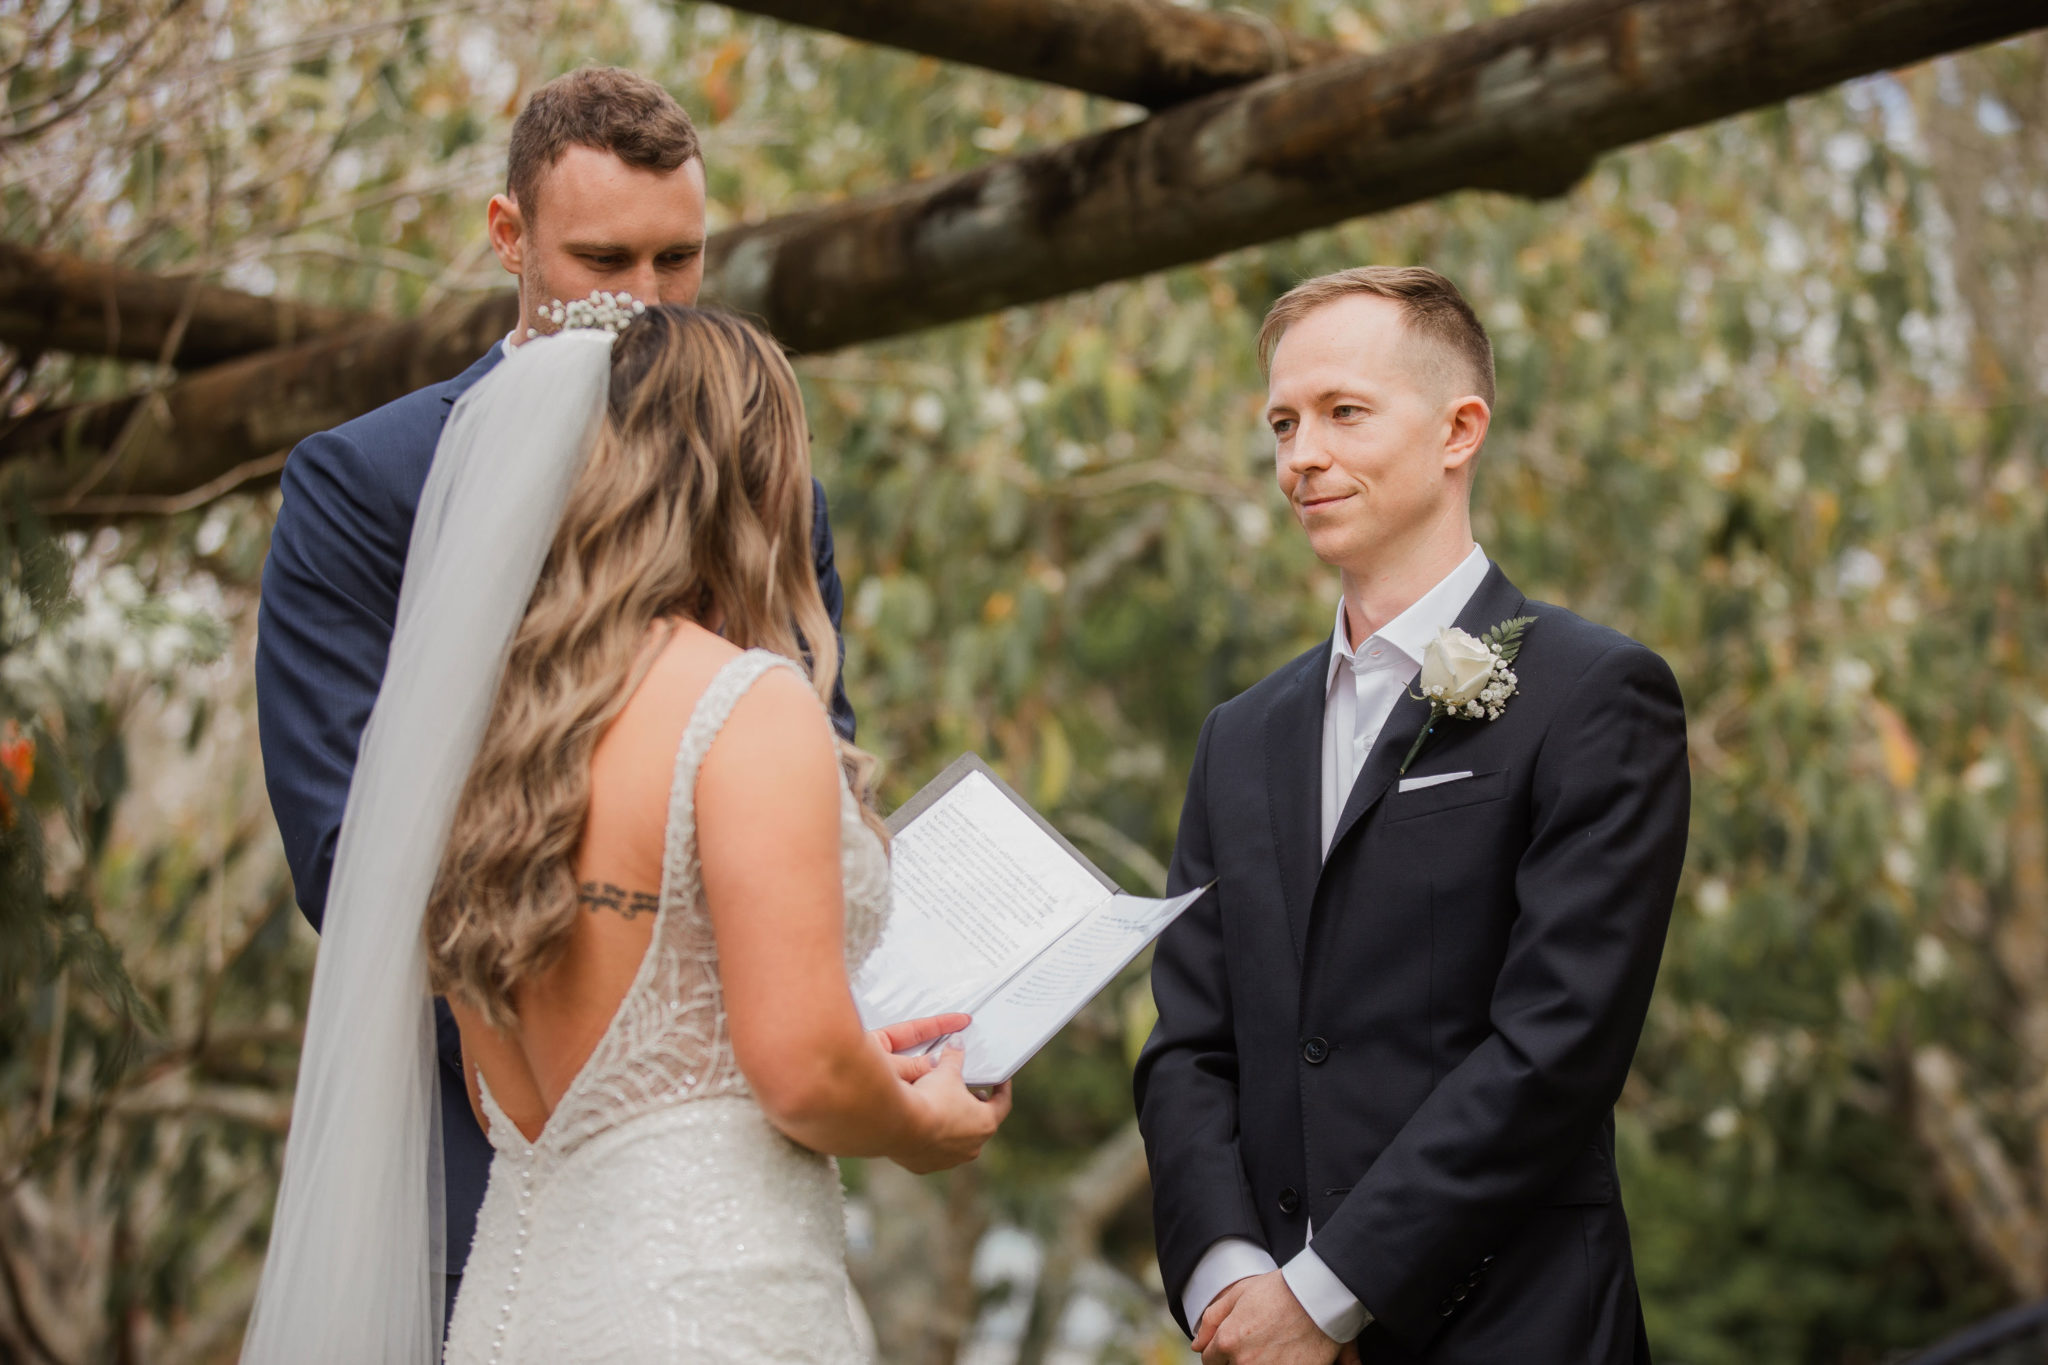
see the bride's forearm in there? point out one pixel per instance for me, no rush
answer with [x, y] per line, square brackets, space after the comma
[840, 1099]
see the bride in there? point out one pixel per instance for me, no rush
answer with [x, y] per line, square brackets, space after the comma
[599, 806]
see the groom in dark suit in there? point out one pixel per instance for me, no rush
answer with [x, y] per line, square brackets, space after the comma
[1378, 1104]
[604, 190]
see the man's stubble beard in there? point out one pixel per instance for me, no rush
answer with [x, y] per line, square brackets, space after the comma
[534, 296]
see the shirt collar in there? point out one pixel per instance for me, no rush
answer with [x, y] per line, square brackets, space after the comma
[1411, 631]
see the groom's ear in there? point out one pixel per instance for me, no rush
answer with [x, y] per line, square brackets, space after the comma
[507, 227]
[1465, 423]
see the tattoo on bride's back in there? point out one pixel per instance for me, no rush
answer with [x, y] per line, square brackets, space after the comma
[596, 896]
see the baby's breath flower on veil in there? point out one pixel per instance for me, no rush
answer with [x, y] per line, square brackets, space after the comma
[603, 311]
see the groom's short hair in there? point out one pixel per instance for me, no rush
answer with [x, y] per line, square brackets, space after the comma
[606, 108]
[1435, 311]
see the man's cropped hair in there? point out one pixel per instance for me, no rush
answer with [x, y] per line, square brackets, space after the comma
[1434, 309]
[605, 108]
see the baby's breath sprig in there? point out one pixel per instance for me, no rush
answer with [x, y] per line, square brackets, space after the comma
[604, 311]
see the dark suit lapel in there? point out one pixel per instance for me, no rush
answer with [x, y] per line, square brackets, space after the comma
[464, 382]
[1494, 601]
[1294, 787]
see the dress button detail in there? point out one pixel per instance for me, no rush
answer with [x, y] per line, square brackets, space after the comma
[1315, 1052]
[1289, 1200]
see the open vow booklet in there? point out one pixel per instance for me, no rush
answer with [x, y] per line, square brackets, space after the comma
[998, 916]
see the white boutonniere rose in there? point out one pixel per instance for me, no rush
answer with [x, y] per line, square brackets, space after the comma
[1466, 677]
[1456, 667]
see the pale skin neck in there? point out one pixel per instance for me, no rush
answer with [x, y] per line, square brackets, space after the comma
[1396, 575]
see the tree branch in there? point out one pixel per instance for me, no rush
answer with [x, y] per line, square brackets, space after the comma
[254, 1106]
[1147, 52]
[1980, 1181]
[18, 1294]
[1114, 1175]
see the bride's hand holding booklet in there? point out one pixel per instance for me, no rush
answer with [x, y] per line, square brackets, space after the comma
[998, 916]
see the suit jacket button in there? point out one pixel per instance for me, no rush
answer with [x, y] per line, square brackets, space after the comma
[1446, 1308]
[1315, 1052]
[1289, 1200]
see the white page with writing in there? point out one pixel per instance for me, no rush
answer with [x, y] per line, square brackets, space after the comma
[1021, 1017]
[979, 890]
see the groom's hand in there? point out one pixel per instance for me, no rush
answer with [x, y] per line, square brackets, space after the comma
[1218, 1309]
[895, 1038]
[1262, 1323]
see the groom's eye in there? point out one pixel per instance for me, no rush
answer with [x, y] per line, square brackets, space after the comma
[1282, 426]
[1347, 411]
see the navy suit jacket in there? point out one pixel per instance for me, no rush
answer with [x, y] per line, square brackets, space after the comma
[1417, 1041]
[329, 604]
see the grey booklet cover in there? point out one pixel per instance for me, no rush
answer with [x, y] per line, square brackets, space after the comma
[997, 915]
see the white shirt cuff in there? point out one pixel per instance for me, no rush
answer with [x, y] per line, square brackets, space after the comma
[1324, 1297]
[1228, 1260]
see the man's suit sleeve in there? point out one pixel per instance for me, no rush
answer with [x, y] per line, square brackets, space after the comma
[1186, 1077]
[1609, 802]
[824, 561]
[324, 626]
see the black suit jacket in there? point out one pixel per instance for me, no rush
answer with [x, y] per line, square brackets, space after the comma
[1418, 1042]
[324, 623]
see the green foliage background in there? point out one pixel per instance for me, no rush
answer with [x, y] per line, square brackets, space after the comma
[1771, 401]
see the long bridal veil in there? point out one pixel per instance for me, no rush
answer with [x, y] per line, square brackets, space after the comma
[350, 1277]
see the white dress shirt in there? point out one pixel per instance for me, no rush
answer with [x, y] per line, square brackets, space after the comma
[1361, 689]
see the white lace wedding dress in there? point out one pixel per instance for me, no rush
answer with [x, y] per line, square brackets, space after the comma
[659, 1216]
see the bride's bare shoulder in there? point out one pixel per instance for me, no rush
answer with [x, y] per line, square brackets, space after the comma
[778, 721]
[767, 796]
[776, 742]
[684, 667]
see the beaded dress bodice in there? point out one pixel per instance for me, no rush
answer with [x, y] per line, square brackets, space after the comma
[657, 1158]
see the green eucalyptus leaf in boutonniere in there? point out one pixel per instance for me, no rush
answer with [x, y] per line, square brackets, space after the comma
[1466, 677]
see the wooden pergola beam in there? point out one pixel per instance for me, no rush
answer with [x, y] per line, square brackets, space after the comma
[1521, 104]
[1145, 52]
[54, 302]
[219, 427]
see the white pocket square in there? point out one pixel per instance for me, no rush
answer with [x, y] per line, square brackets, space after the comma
[1416, 784]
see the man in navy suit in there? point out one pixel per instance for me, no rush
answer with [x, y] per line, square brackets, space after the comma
[604, 190]
[1378, 1104]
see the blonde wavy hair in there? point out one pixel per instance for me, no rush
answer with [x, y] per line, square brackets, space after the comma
[696, 503]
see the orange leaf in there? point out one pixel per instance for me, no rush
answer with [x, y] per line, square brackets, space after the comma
[18, 760]
[718, 86]
[1895, 741]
